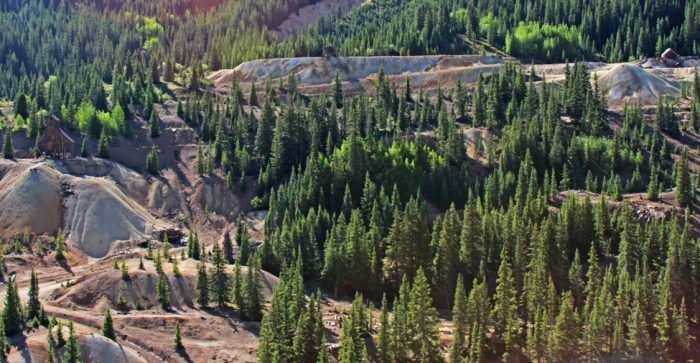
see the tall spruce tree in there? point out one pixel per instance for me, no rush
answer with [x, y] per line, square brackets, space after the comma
[11, 312]
[219, 285]
[34, 307]
[202, 285]
[72, 353]
[108, 326]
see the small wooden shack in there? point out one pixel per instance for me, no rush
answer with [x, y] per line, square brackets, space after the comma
[54, 142]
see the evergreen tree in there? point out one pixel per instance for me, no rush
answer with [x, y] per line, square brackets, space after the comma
[108, 326]
[8, 151]
[103, 148]
[337, 90]
[253, 97]
[504, 313]
[125, 271]
[179, 110]
[684, 187]
[177, 341]
[228, 247]
[72, 353]
[202, 285]
[423, 322]
[565, 337]
[459, 323]
[154, 125]
[83, 149]
[19, 106]
[34, 307]
[3, 341]
[50, 353]
[121, 300]
[384, 335]
[152, 161]
[163, 291]
[11, 312]
[252, 286]
[348, 351]
[219, 285]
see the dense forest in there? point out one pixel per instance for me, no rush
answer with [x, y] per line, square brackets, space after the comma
[529, 272]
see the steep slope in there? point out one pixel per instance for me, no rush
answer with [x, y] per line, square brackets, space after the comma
[630, 83]
[29, 197]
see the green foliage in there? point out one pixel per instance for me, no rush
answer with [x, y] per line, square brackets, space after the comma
[177, 340]
[103, 148]
[552, 43]
[108, 326]
[163, 291]
[8, 151]
[72, 353]
[12, 310]
[152, 161]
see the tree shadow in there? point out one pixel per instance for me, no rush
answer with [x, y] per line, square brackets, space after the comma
[183, 353]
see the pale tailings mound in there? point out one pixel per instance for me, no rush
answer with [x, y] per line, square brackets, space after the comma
[101, 217]
[629, 83]
[99, 204]
[29, 198]
[358, 74]
[93, 348]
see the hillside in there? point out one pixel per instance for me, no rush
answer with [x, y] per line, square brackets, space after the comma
[383, 181]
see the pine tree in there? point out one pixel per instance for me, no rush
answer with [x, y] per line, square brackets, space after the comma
[83, 149]
[243, 242]
[252, 286]
[125, 271]
[337, 90]
[684, 187]
[180, 110]
[253, 97]
[423, 321]
[228, 247]
[504, 312]
[121, 300]
[158, 263]
[108, 326]
[8, 151]
[72, 353]
[12, 313]
[200, 167]
[565, 338]
[384, 335]
[50, 353]
[202, 285]
[219, 284]
[3, 341]
[169, 73]
[103, 148]
[154, 125]
[141, 267]
[459, 322]
[34, 305]
[653, 189]
[177, 341]
[348, 352]
[60, 341]
[163, 292]
[176, 270]
[152, 161]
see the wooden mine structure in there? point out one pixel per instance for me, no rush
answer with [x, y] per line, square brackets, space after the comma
[54, 142]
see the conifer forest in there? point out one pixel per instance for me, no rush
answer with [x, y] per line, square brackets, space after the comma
[316, 181]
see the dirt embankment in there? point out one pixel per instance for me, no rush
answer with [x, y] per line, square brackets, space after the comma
[309, 15]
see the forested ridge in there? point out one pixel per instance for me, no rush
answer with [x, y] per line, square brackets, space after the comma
[375, 195]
